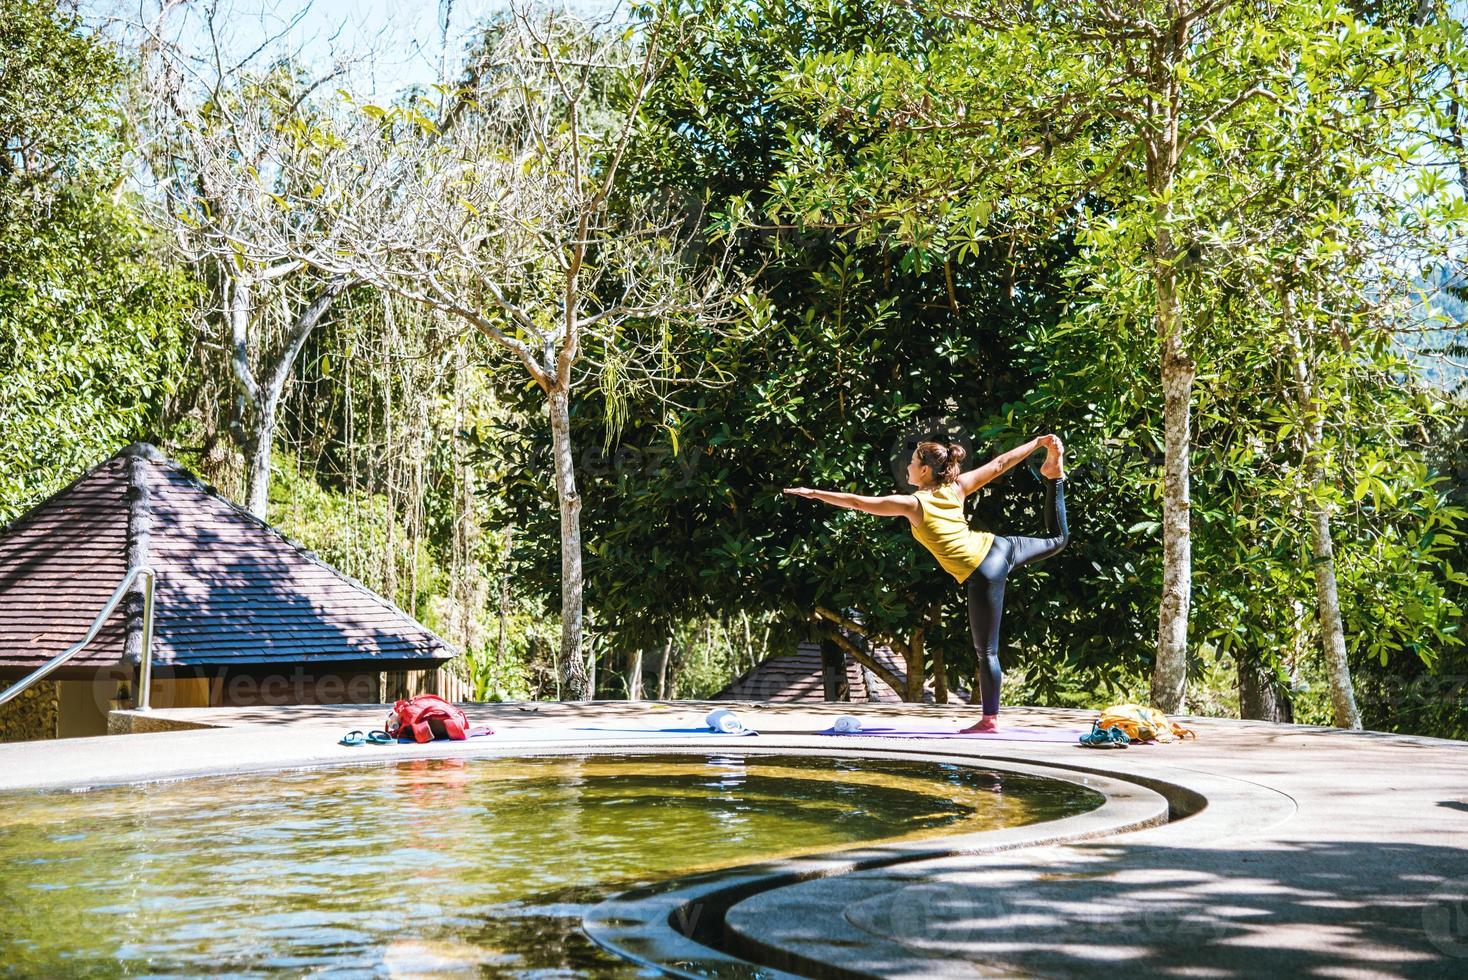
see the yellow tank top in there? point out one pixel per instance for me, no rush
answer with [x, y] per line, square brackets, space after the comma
[944, 531]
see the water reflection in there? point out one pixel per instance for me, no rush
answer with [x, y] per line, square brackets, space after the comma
[480, 866]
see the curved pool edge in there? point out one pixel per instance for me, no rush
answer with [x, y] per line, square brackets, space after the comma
[676, 926]
[1208, 808]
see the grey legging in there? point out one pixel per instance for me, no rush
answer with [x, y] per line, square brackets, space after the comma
[985, 586]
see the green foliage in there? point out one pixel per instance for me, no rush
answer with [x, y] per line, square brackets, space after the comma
[51, 60]
[1430, 695]
[686, 518]
[1285, 138]
[702, 669]
[94, 331]
[93, 343]
[351, 534]
[516, 672]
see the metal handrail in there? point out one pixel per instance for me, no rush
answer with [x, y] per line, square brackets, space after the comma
[146, 681]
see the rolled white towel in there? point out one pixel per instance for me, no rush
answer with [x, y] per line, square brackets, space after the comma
[722, 720]
[846, 724]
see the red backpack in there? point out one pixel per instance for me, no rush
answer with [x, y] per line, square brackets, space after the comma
[428, 716]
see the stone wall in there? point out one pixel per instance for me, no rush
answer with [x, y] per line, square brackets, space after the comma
[30, 716]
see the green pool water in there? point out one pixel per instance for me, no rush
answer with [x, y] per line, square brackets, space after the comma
[444, 867]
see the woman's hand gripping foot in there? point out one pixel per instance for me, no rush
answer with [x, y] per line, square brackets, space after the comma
[1052, 468]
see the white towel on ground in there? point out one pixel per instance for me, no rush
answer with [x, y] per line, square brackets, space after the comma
[723, 720]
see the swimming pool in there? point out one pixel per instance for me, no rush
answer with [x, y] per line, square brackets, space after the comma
[440, 866]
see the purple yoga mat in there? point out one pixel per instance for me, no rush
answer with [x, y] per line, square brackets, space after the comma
[1003, 735]
[590, 733]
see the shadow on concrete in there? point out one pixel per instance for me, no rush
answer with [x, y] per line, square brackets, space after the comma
[1310, 908]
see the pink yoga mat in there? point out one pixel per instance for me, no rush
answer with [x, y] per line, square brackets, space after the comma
[1003, 735]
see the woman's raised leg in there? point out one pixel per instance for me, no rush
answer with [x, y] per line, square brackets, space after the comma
[1030, 549]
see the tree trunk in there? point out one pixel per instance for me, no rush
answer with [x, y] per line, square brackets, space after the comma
[915, 672]
[257, 463]
[588, 642]
[1322, 550]
[879, 671]
[832, 629]
[940, 677]
[499, 647]
[573, 665]
[634, 675]
[1169, 672]
[663, 669]
[249, 414]
[263, 396]
[748, 643]
[1332, 629]
[1261, 696]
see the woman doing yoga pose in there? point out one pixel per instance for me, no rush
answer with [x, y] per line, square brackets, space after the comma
[979, 560]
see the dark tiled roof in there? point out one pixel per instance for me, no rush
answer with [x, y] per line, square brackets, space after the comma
[798, 677]
[59, 564]
[231, 589]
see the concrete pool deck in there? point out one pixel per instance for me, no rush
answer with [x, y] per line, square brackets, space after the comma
[1318, 851]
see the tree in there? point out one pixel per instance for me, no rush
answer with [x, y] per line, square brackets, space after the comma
[241, 155]
[1110, 119]
[499, 205]
[862, 347]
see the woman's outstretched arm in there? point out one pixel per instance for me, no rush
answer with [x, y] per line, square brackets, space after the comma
[896, 505]
[999, 465]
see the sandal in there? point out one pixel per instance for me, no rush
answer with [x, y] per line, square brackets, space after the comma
[353, 737]
[1104, 738]
[380, 738]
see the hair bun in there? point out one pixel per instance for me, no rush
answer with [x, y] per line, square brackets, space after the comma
[943, 457]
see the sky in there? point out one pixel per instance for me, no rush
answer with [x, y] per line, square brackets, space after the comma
[401, 40]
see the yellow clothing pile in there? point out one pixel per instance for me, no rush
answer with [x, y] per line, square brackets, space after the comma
[1143, 724]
